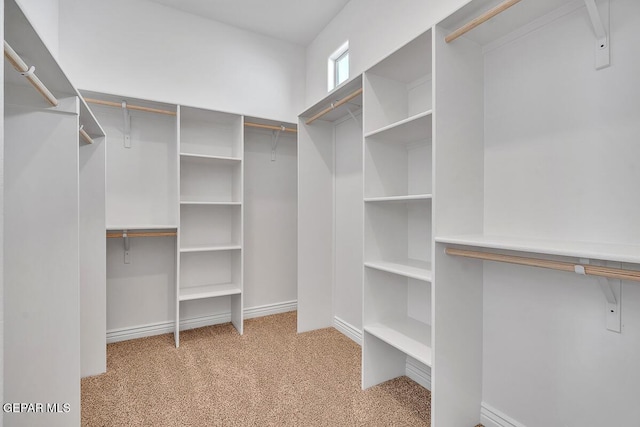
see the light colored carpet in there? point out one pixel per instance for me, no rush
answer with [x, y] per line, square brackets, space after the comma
[270, 376]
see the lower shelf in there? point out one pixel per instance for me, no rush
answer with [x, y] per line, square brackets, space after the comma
[208, 291]
[408, 335]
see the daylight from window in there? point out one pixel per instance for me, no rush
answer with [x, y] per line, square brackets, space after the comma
[338, 67]
[342, 68]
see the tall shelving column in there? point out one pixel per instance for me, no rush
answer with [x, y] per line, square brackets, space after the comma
[210, 231]
[397, 214]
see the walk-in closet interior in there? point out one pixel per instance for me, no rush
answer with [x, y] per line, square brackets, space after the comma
[448, 186]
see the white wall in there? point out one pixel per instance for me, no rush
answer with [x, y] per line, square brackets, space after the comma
[2, 220]
[545, 338]
[43, 15]
[347, 292]
[146, 50]
[374, 28]
[270, 220]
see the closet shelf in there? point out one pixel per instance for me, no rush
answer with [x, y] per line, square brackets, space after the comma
[220, 159]
[216, 248]
[141, 227]
[414, 128]
[408, 198]
[408, 335]
[208, 291]
[590, 250]
[411, 268]
[210, 203]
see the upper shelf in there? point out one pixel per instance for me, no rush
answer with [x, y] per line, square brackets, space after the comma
[520, 16]
[589, 250]
[26, 42]
[333, 97]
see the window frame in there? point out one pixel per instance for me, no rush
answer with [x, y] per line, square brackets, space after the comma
[332, 66]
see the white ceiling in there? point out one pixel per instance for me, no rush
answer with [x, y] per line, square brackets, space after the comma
[296, 21]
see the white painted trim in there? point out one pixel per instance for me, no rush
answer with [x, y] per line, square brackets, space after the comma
[151, 329]
[491, 417]
[159, 328]
[419, 372]
[269, 309]
[348, 329]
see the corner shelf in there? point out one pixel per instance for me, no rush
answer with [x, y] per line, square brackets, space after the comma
[411, 268]
[208, 291]
[408, 335]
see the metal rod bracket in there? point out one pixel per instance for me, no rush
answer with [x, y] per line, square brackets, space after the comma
[127, 125]
[127, 247]
[600, 22]
[275, 136]
[612, 291]
[355, 119]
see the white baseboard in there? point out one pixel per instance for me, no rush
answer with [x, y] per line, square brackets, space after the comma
[491, 417]
[269, 309]
[348, 329]
[141, 331]
[419, 372]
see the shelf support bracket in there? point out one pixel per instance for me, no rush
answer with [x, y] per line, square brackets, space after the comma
[598, 21]
[275, 136]
[127, 247]
[353, 116]
[612, 291]
[127, 125]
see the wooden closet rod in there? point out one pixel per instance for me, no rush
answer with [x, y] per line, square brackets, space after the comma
[261, 126]
[85, 136]
[118, 234]
[480, 19]
[28, 72]
[129, 106]
[593, 270]
[334, 105]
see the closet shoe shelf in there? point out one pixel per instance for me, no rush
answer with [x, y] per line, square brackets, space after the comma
[407, 335]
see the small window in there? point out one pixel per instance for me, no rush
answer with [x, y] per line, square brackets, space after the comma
[342, 68]
[338, 69]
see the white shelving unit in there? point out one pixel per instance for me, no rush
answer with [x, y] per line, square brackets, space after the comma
[511, 116]
[397, 206]
[210, 236]
[53, 289]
